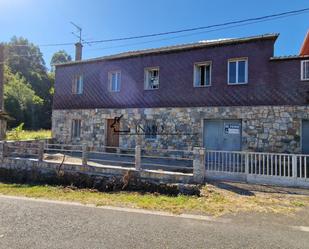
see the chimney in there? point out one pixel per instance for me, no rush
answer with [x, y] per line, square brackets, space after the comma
[78, 51]
[1, 76]
[305, 47]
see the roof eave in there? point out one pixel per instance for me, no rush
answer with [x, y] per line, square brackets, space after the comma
[291, 57]
[175, 48]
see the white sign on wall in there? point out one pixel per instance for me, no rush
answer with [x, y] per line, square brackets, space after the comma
[232, 129]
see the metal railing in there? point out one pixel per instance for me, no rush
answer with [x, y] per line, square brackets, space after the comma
[302, 162]
[258, 163]
[165, 159]
[158, 159]
[225, 161]
[270, 164]
[110, 155]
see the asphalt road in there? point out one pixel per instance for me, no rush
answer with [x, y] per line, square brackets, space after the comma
[35, 224]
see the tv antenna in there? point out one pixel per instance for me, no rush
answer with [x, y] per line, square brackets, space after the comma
[78, 34]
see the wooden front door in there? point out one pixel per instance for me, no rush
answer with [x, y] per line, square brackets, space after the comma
[112, 137]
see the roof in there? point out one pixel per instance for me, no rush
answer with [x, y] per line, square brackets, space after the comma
[188, 46]
[289, 57]
[305, 47]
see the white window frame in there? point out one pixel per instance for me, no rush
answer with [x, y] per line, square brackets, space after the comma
[302, 74]
[197, 64]
[78, 84]
[146, 78]
[73, 135]
[246, 71]
[110, 80]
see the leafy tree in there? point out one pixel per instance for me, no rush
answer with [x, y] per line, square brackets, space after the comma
[26, 59]
[60, 57]
[20, 101]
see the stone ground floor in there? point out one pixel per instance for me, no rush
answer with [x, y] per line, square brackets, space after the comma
[251, 128]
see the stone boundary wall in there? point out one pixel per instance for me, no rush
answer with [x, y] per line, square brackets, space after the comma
[56, 170]
[23, 148]
[264, 128]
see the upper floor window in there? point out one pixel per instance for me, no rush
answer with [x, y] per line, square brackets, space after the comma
[305, 70]
[114, 79]
[151, 78]
[202, 74]
[76, 128]
[78, 84]
[238, 71]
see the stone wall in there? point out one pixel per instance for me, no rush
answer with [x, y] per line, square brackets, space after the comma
[264, 128]
[23, 148]
[31, 170]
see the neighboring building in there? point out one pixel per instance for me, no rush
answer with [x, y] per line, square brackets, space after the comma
[229, 94]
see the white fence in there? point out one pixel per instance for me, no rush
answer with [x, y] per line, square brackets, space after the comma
[270, 168]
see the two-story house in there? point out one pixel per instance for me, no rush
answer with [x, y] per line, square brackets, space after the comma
[229, 94]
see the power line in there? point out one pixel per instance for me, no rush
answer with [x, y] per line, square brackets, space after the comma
[186, 35]
[249, 20]
[204, 27]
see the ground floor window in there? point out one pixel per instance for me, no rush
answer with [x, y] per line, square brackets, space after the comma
[76, 128]
[150, 130]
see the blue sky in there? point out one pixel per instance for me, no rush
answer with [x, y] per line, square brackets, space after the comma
[48, 21]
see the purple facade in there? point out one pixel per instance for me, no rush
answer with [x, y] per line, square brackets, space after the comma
[270, 81]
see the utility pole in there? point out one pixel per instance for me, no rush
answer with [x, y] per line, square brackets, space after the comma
[2, 118]
[1, 76]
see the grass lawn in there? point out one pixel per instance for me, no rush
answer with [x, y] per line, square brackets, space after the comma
[213, 201]
[25, 135]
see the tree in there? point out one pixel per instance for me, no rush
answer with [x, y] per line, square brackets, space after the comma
[60, 57]
[26, 60]
[20, 100]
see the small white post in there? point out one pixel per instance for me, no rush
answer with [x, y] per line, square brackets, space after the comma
[246, 163]
[294, 166]
[41, 151]
[199, 171]
[138, 157]
[85, 154]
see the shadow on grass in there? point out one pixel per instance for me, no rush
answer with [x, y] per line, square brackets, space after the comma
[249, 189]
[231, 187]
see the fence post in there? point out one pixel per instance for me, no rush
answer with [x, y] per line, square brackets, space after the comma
[138, 157]
[199, 171]
[84, 154]
[294, 166]
[2, 149]
[41, 151]
[246, 163]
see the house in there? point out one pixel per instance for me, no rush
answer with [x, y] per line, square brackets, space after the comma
[228, 94]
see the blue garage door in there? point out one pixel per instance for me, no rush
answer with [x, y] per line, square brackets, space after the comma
[222, 135]
[305, 137]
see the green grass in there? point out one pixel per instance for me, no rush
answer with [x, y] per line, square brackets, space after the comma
[213, 201]
[26, 135]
